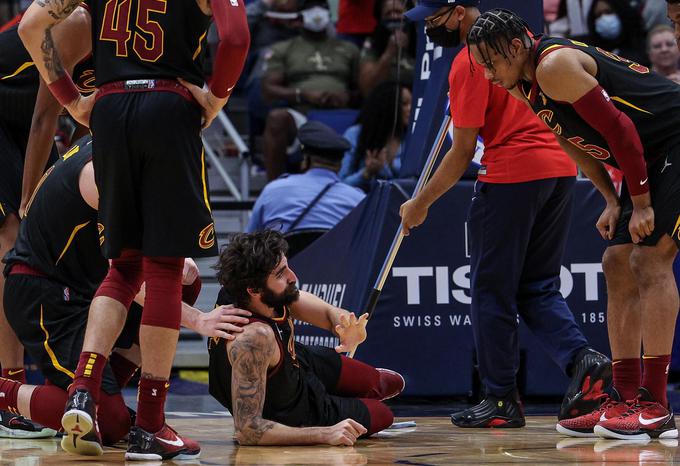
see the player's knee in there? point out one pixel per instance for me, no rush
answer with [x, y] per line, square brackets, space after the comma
[114, 418]
[163, 279]
[616, 263]
[381, 416]
[124, 278]
[648, 266]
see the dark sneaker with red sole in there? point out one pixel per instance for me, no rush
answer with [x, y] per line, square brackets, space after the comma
[492, 412]
[591, 375]
[166, 444]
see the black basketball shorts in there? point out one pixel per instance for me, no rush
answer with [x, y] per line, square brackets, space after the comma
[664, 185]
[50, 320]
[150, 171]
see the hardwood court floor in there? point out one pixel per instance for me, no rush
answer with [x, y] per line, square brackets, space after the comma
[433, 442]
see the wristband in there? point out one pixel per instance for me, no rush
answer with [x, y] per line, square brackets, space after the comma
[64, 90]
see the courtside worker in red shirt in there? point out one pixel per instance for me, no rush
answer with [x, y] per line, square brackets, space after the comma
[517, 223]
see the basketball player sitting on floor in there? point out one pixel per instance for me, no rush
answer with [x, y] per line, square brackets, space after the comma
[281, 392]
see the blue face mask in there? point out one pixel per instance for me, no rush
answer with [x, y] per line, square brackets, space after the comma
[608, 26]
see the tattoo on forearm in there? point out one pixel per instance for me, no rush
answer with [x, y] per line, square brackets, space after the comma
[250, 359]
[55, 69]
[59, 9]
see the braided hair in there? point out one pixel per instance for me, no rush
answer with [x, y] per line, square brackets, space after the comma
[497, 28]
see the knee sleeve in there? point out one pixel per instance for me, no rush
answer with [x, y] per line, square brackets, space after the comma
[163, 301]
[124, 279]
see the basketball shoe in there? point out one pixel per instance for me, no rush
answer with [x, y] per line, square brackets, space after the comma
[80, 425]
[492, 412]
[16, 426]
[591, 375]
[583, 426]
[644, 419]
[165, 444]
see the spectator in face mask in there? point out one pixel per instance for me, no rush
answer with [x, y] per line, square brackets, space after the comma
[616, 27]
[390, 52]
[311, 71]
[663, 52]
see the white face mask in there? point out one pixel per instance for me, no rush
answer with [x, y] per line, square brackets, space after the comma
[316, 19]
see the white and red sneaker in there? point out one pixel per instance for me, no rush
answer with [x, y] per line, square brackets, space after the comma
[165, 444]
[645, 419]
[583, 426]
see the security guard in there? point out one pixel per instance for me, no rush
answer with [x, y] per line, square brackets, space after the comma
[316, 199]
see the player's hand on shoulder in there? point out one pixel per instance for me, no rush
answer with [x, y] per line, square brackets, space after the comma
[343, 433]
[641, 223]
[413, 214]
[223, 322]
[81, 108]
[210, 104]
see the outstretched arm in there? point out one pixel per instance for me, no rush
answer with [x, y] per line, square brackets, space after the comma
[72, 38]
[251, 354]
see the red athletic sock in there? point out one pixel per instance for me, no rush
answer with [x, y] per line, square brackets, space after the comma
[47, 405]
[627, 376]
[655, 376]
[18, 374]
[151, 403]
[9, 390]
[114, 418]
[89, 373]
[123, 369]
[190, 292]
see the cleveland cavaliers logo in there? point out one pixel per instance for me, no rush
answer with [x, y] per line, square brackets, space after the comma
[206, 238]
[85, 83]
[100, 229]
[546, 116]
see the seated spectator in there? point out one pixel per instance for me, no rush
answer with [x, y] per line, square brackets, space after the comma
[269, 21]
[616, 27]
[315, 199]
[663, 52]
[311, 71]
[377, 135]
[355, 20]
[390, 53]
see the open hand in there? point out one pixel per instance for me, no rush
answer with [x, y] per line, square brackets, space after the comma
[352, 331]
[222, 322]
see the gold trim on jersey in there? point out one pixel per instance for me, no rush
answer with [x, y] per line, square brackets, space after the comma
[2, 210]
[200, 45]
[676, 228]
[35, 191]
[203, 180]
[46, 344]
[625, 102]
[70, 240]
[73, 151]
[27, 64]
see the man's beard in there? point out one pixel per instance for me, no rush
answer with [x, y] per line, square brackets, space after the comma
[285, 298]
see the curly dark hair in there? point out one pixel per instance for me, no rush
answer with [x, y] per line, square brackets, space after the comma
[247, 261]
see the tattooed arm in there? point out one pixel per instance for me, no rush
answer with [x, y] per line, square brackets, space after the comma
[36, 32]
[251, 354]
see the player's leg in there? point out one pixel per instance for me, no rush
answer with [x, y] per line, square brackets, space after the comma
[174, 197]
[343, 376]
[11, 351]
[544, 309]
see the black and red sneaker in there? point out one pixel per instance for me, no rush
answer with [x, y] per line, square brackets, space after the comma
[16, 426]
[165, 444]
[80, 425]
[591, 376]
[644, 420]
[492, 412]
[582, 426]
